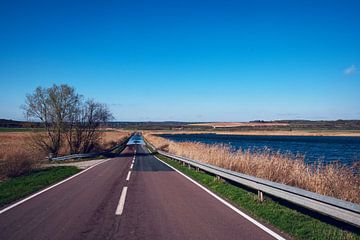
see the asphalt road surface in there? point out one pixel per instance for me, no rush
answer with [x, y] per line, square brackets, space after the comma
[126, 199]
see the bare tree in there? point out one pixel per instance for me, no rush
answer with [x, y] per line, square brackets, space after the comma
[66, 117]
[53, 107]
[83, 134]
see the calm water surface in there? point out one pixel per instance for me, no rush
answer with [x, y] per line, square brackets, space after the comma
[328, 149]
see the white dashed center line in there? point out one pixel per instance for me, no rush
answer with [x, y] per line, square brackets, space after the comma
[128, 176]
[120, 207]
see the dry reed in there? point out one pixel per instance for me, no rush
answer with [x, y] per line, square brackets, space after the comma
[111, 138]
[19, 154]
[333, 180]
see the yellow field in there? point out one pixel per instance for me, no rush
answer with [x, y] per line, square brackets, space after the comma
[238, 124]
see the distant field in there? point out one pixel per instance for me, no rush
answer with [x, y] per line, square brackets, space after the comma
[287, 127]
[269, 132]
[239, 124]
[10, 129]
[4, 129]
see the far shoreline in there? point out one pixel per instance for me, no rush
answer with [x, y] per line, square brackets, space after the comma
[319, 133]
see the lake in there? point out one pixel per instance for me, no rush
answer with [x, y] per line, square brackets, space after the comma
[328, 149]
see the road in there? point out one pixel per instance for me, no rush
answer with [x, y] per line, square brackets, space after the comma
[126, 199]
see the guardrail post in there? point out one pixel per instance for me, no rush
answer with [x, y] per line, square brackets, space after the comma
[189, 166]
[260, 196]
[217, 178]
[198, 169]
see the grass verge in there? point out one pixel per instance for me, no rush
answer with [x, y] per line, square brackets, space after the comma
[290, 221]
[19, 187]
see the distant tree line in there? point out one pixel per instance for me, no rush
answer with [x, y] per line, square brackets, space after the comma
[67, 118]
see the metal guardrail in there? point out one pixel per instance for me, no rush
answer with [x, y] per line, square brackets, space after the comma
[87, 155]
[75, 156]
[339, 209]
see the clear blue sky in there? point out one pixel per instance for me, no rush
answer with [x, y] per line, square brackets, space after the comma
[187, 60]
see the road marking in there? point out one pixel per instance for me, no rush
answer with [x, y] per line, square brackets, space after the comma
[128, 176]
[267, 230]
[47, 189]
[120, 207]
[131, 166]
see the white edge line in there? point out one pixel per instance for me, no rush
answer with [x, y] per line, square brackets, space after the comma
[128, 176]
[120, 207]
[264, 228]
[48, 188]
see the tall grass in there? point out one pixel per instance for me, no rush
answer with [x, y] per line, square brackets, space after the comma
[110, 139]
[333, 180]
[19, 154]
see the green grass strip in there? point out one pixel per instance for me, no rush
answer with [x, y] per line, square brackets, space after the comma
[290, 221]
[19, 187]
